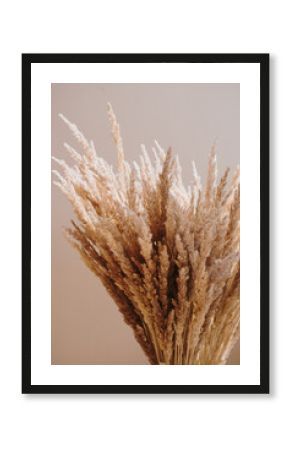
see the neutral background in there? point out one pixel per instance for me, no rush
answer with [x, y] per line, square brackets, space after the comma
[86, 325]
[90, 422]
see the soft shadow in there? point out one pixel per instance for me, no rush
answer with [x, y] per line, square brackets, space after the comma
[273, 218]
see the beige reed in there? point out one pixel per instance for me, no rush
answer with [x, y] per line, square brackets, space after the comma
[167, 254]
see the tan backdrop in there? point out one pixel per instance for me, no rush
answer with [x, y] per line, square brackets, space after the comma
[86, 326]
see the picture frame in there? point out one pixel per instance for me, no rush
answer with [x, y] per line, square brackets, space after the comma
[41, 70]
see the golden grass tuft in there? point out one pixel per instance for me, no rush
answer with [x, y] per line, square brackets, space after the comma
[167, 254]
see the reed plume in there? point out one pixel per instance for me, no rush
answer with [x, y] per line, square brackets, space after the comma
[168, 254]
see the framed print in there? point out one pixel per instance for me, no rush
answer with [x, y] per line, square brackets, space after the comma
[145, 226]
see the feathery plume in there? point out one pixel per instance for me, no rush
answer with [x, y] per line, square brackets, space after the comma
[168, 254]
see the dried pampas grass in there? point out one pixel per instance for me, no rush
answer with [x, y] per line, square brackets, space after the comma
[167, 254]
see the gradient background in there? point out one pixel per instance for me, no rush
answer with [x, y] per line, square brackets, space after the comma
[85, 323]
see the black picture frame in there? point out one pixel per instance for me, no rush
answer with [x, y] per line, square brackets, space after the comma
[27, 61]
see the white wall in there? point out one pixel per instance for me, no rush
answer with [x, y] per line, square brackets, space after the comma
[74, 422]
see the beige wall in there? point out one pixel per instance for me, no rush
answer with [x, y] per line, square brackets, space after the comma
[86, 326]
